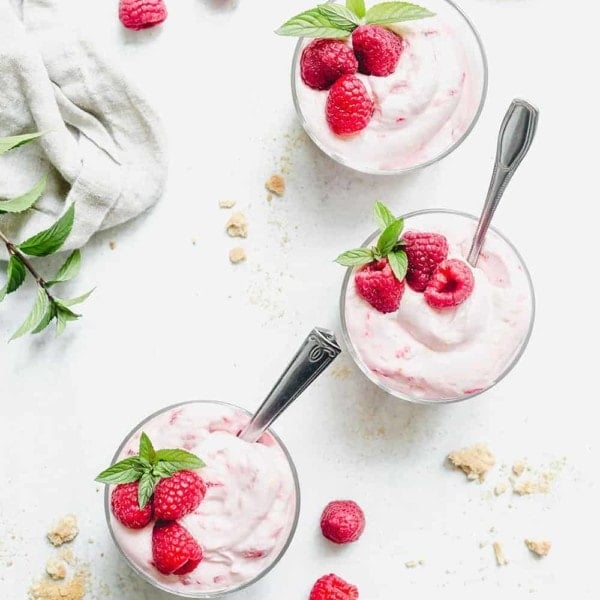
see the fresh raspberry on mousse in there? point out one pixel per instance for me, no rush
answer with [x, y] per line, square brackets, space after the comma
[324, 61]
[174, 550]
[342, 521]
[377, 49]
[178, 495]
[349, 107]
[378, 285]
[425, 251]
[124, 505]
[450, 285]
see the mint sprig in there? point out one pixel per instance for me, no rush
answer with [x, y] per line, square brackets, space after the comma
[47, 306]
[148, 467]
[337, 21]
[388, 245]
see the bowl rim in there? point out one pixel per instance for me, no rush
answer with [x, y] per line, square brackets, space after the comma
[340, 159]
[374, 379]
[217, 593]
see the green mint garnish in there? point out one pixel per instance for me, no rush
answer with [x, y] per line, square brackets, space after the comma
[337, 21]
[149, 467]
[388, 245]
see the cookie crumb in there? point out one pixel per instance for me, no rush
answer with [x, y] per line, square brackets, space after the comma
[474, 461]
[519, 468]
[539, 547]
[526, 488]
[65, 530]
[412, 564]
[67, 555]
[237, 226]
[56, 568]
[237, 255]
[499, 553]
[73, 589]
[500, 488]
[276, 185]
[112, 244]
[226, 203]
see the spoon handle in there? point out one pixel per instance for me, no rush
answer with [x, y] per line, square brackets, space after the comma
[316, 353]
[516, 134]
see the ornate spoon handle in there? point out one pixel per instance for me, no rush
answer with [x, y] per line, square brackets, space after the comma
[317, 352]
[516, 134]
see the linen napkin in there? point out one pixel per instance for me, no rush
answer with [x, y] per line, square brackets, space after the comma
[104, 149]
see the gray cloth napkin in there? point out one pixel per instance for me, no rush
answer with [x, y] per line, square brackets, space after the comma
[104, 149]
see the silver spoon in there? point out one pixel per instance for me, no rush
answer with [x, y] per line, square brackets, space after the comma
[316, 353]
[516, 134]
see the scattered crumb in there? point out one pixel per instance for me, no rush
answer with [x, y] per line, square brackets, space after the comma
[9, 563]
[519, 468]
[541, 486]
[73, 589]
[237, 226]
[65, 530]
[56, 568]
[276, 185]
[226, 203]
[67, 555]
[500, 558]
[112, 244]
[500, 488]
[269, 197]
[475, 461]
[412, 564]
[539, 547]
[482, 544]
[341, 371]
[237, 255]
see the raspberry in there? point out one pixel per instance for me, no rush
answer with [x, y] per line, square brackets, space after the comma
[377, 284]
[342, 521]
[349, 107]
[178, 495]
[451, 284]
[174, 550]
[141, 14]
[323, 62]
[125, 507]
[425, 251]
[332, 587]
[377, 49]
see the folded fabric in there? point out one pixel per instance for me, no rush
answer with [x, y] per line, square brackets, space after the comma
[103, 150]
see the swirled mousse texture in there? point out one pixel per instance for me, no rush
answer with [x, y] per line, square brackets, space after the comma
[248, 513]
[426, 353]
[421, 110]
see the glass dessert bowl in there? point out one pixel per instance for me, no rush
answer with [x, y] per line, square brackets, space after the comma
[248, 515]
[422, 111]
[426, 354]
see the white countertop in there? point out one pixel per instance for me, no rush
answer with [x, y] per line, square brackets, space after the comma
[172, 320]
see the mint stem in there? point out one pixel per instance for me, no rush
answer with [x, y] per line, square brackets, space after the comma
[14, 251]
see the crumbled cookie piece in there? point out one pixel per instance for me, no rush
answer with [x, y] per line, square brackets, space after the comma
[475, 461]
[500, 488]
[112, 244]
[276, 185]
[539, 547]
[519, 468]
[413, 564]
[499, 553]
[67, 555]
[226, 203]
[237, 226]
[541, 486]
[56, 568]
[237, 255]
[65, 530]
[73, 589]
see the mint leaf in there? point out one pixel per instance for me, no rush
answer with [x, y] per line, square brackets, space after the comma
[314, 23]
[389, 238]
[50, 240]
[394, 12]
[15, 276]
[125, 471]
[68, 270]
[357, 7]
[9, 143]
[164, 469]
[63, 316]
[382, 215]
[78, 299]
[27, 200]
[181, 459]
[340, 16]
[399, 263]
[147, 449]
[46, 319]
[355, 258]
[34, 317]
[146, 487]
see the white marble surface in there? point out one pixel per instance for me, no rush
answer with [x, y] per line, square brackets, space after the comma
[172, 320]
